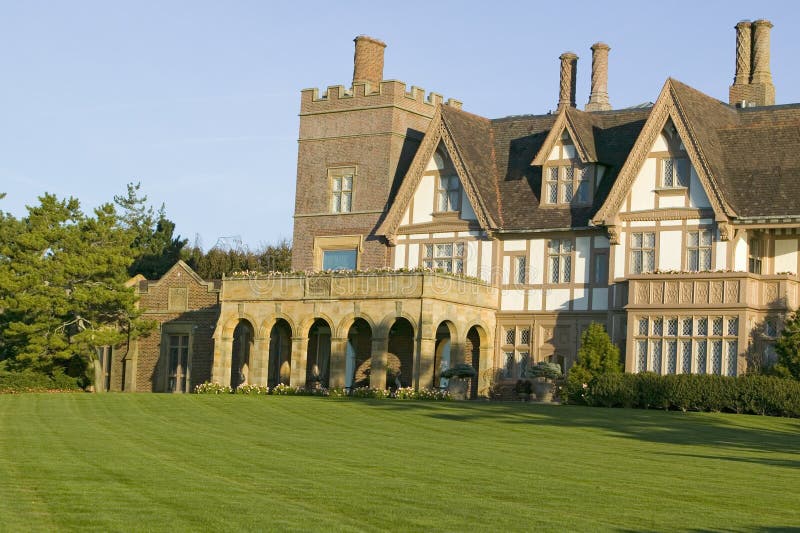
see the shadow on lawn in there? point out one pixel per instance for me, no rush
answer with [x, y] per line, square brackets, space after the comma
[731, 432]
[770, 529]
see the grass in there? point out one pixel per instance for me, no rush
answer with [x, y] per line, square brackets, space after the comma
[161, 462]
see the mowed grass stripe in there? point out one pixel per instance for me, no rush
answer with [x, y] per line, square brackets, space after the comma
[159, 462]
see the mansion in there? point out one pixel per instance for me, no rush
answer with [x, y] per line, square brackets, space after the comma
[425, 236]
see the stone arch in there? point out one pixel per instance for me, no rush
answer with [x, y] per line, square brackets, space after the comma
[242, 349]
[477, 353]
[280, 352]
[446, 335]
[343, 329]
[268, 323]
[233, 320]
[358, 354]
[305, 325]
[318, 352]
[401, 342]
[386, 324]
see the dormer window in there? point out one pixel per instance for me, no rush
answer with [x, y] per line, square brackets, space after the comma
[675, 172]
[448, 194]
[568, 184]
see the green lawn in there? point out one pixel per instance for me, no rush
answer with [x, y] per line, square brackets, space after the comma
[161, 462]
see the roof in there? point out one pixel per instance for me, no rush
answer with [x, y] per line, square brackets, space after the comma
[514, 142]
[748, 159]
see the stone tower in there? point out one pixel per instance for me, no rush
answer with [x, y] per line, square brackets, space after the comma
[355, 145]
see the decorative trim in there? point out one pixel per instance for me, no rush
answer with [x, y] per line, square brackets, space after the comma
[437, 132]
[666, 214]
[666, 106]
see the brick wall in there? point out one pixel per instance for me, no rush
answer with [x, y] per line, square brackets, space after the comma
[199, 320]
[377, 134]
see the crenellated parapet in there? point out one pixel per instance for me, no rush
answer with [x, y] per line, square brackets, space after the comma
[365, 95]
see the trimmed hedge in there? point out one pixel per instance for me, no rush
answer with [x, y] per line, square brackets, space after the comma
[760, 395]
[16, 382]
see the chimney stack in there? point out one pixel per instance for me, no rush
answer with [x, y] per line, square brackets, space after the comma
[569, 70]
[598, 98]
[368, 61]
[752, 85]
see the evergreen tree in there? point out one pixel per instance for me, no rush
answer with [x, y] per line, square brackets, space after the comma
[596, 356]
[155, 246]
[62, 286]
[788, 348]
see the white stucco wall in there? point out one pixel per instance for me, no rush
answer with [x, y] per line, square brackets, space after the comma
[785, 255]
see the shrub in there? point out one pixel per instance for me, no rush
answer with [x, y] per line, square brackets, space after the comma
[212, 388]
[367, 392]
[253, 389]
[788, 348]
[28, 381]
[284, 390]
[543, 369]
[763, 395]
[460, 370]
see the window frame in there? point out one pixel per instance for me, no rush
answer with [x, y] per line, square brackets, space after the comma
[517, 276]
[561, 255]
[438, 191]
[675, 162]
[642, 249]
[340, 173]
[581, 174]
[453, 258]
[181, 331]
[699, 247]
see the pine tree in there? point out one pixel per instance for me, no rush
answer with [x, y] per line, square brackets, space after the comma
[62, 286]
[156, 248]
[788, 348]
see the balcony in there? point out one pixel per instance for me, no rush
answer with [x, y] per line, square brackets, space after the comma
[713, 290]
[360, 286]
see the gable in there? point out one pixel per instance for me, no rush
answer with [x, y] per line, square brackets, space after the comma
[439, 139]
[667, 133]
[439, 173]
[667, 179]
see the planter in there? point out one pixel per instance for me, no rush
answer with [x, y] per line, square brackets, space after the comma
[543, 389]
[457, 388]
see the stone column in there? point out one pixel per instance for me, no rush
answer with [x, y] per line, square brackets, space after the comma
[338, 361]
[426, 358]
[598, 98]
[259, 362]
[221, 371]
[377, 374]
[569, 68]
[484, 376]
[299, 360]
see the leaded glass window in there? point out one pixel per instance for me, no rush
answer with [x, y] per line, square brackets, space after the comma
[698, 250]
[448, 194]
[643, 252]
[733, 354]
[445, 256]
[508, 365]
[702, 356]
[510, 336]
[656, 347]
[560, 253]
[641, 356]
[341, 189]
[686, 357]
[716, 357]
[525, 336]
[676, 172]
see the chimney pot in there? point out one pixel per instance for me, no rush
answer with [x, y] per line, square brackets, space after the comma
[598, 97]
[569, 68]
[368, 61]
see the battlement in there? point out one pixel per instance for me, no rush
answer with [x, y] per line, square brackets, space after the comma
[365, 94]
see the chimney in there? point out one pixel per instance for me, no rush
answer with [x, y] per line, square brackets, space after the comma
[569, 69]
[752, 85]
[368, 61]
[598, 98]
[743, 50]
[761, 77]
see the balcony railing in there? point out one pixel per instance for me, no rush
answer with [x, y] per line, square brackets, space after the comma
[713, 289]
[360, 286]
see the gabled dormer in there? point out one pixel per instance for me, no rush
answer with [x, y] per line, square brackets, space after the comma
[570, 169]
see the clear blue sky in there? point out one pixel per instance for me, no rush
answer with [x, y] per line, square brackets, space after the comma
[199, 100]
